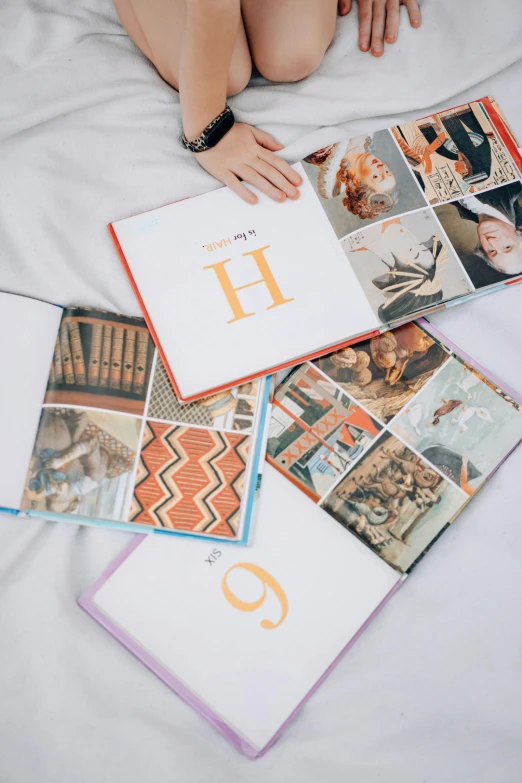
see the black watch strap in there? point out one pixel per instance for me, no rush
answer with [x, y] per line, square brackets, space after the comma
[213, 133]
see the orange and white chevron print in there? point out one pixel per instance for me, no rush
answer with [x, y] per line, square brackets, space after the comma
[190, 478]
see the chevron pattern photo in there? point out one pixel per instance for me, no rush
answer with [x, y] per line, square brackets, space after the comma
[190, 479]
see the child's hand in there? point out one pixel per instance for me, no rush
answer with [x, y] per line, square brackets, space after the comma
[379, 21]
[248, 154]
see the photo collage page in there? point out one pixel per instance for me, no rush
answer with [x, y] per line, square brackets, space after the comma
[392, 437]
[426, 211]
[114, 443]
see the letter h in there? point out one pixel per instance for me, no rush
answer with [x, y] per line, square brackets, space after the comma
[266, 277]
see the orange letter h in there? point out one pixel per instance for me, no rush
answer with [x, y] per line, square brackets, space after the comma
[266, 277]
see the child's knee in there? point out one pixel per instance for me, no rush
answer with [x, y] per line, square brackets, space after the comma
[167, 73]
[238, 79]
[291, 64]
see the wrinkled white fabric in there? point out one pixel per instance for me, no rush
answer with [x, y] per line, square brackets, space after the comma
[432, 691]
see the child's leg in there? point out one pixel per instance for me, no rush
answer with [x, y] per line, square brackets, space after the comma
[288, 38]
[156, 27]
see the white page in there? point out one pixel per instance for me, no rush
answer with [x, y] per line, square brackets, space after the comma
[170, 600]
[28, 331]
[166, 252]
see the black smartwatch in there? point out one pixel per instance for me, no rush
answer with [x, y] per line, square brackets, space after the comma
[212, 134]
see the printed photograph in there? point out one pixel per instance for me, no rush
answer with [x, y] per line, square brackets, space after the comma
[405, 265]
[486, 233]
[461, 425]
[385, 372]
[190, 479]
[82, 464]
[455, 153]
[507, 129]
[234, 409]
[394, 502]
[316, 432]
[362, 180]
[101, 360]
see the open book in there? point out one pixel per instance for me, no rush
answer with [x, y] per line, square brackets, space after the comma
[386, 228]
[393, 436]
[391, 441]
[101, 438]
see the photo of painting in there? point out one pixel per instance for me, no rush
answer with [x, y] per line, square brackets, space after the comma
[405, 265]
[385, 372]
[82, 463]
[362, 180]
[486, 233]
[190, 479]
[316, 432]
[234, 409]
[101, 360]
[394, 502]
[455, 152]
[461, 425]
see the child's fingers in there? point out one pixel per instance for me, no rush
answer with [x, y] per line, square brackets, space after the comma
[281, 165]
[266, 140]
[378, 23]
[345, 6]
[414, 12]
[252, 177]
[392, 21]
[232, 182]
[365, 24]
[275, 177]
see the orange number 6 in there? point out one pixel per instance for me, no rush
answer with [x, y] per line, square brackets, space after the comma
[250, 606]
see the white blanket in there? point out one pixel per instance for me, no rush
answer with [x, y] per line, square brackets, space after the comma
[88, 133]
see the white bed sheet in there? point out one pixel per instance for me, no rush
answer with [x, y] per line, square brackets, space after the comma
[432, 691]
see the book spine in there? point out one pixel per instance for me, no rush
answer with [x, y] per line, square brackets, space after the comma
[66, 354]
[116, 357]
[141, 363]
[106, 356]
[58, 369]
[78, 360]
[127, 372]
[95, 354]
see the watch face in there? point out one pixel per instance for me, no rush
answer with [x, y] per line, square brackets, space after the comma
[221, 127]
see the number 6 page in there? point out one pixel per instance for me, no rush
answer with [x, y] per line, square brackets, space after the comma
[244, 636]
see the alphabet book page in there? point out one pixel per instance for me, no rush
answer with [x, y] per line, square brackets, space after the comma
[233, 289]
[262, 624]
[28, 331]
